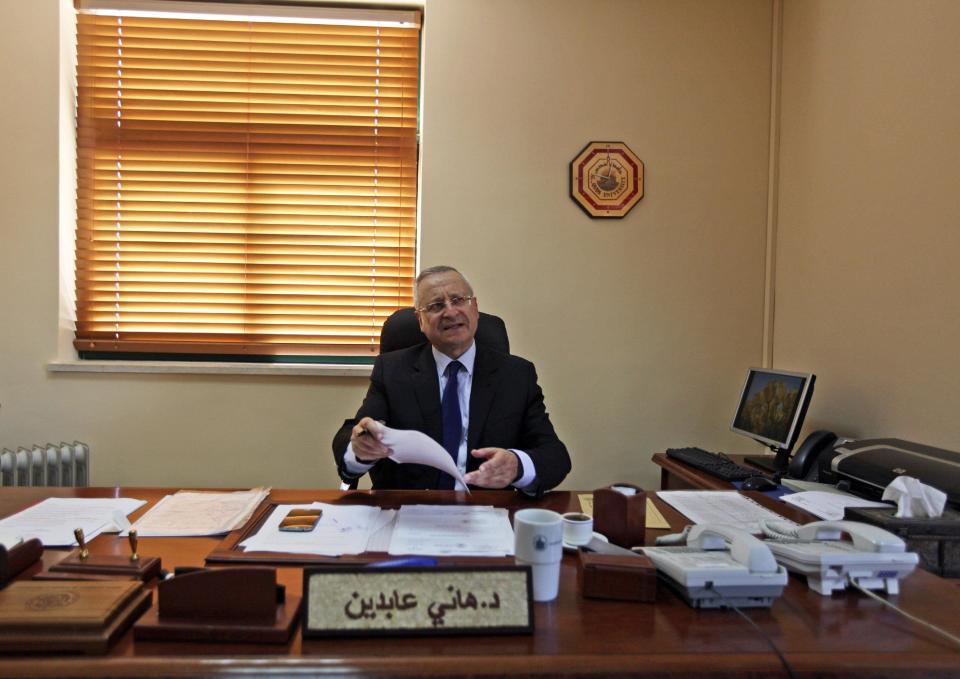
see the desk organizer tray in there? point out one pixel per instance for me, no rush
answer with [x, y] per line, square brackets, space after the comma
[68, 616]
[230, 550]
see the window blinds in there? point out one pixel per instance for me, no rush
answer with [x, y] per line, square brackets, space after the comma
[243, 187]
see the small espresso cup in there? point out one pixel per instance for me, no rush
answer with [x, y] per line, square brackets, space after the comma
[577, 528]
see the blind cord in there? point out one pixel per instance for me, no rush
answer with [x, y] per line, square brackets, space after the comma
[902, 612]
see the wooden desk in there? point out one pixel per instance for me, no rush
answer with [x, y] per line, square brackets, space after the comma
[842, 636]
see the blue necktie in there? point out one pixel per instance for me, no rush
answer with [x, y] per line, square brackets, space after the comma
[452, 422]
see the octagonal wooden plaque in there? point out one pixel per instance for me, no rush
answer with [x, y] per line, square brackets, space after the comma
[606, 179]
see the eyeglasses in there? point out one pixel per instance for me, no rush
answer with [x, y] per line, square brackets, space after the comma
[438, 306]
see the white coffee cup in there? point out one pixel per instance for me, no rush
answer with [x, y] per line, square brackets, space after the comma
[538, 543]
[577, 528]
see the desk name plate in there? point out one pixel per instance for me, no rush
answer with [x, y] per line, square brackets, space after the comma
[404, 601]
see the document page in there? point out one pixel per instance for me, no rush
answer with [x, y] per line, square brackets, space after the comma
[198, 513]
[452, 530]
[828, 505]
[727, 507]
[54, 519]
[414, 447]
[340, 530]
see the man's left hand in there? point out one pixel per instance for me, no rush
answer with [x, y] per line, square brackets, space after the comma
[499, 470]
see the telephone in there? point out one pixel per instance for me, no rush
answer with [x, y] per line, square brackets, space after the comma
[805, 463]
[718, 567]
[871, 557]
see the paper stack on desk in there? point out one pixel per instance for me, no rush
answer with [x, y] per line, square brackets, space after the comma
[452, 530]
[340, 530]
[195, 513]
[54, 520]
[727, 507]
[423, 530]
[828, 505]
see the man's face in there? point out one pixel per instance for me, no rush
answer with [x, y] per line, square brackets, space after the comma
[451, 328]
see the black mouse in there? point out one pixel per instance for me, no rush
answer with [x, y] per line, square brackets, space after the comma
[759, 483]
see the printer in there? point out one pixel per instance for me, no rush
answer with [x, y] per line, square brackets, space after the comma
[869, 465]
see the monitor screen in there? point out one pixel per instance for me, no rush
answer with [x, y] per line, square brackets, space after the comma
[772, 406]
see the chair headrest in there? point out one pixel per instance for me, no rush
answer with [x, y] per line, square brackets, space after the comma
[402, 330]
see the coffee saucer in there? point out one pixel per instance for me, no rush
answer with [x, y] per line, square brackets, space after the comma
[572, 548]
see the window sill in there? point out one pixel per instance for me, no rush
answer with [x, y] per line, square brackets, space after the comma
[211, 368]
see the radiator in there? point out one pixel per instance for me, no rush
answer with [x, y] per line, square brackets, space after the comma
[64, 464]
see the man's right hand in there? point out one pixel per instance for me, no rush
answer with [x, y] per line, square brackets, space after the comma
[366, 439]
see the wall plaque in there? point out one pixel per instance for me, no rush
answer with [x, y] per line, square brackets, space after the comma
[412, 601]
[606, 179]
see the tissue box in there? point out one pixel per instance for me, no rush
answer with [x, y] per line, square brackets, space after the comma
[611, 576]
[937, 541]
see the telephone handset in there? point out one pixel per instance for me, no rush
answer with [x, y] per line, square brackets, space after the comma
[865, 538]
[872, 557]
[718, 566]
[803, 465]
[743, 547]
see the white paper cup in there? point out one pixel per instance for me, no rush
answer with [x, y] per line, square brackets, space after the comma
[546, 579]
[577, 528]
[538, 542]
[538, 535]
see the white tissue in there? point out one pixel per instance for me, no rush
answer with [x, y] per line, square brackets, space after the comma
[915, 499]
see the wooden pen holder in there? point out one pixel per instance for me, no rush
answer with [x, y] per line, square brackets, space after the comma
[621, 517]
[145, 568]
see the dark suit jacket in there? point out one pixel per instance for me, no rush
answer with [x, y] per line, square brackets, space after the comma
[506, 411]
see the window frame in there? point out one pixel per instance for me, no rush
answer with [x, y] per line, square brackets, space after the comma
[206, 361]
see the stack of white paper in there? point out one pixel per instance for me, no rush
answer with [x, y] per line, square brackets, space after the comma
[452, 530]
[828, 505]
[54, 519]
[340, 530]
[10, 539]
[727, 507]
[197, 513]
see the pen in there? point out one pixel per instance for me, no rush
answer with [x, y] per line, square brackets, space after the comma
[409, 561]
[364, 432]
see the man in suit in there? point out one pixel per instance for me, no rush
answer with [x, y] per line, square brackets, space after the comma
[484, 407]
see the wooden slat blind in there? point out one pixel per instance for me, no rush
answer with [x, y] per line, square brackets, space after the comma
[244, 188]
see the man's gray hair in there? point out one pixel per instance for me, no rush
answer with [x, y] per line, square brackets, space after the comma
[433, 271]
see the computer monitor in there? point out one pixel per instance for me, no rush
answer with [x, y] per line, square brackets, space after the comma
[772, 406]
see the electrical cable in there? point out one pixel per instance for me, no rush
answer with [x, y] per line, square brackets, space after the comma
[766, 637]
[902, 612]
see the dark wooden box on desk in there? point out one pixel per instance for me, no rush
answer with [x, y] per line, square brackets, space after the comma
[611, 576]
[937, 541]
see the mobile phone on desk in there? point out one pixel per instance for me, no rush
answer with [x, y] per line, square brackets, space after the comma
[300, 520]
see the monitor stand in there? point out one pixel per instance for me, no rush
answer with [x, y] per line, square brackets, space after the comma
[775, 465]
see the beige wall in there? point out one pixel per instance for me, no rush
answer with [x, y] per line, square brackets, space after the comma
[867, 265]
[641, 329]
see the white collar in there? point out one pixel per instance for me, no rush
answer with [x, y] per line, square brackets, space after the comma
[467, 360]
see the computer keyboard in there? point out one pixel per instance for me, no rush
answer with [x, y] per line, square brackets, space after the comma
[711, 463]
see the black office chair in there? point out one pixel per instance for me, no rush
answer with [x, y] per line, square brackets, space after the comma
[402, 330]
